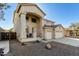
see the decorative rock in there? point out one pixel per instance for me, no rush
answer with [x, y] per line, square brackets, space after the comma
[48, 46]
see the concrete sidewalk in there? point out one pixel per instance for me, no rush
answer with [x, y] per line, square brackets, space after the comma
[68, 41]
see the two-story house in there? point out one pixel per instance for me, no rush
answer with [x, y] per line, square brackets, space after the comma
[30, 25]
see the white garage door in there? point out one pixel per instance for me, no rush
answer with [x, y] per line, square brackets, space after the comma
[48, 35]
[59, 35]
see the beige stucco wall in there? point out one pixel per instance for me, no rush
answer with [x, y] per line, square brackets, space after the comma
[49, 23]
[32, 9]
[20, 22]
[30, 23]
[49, 29]
[15, 18]
[67, 33]
[45, 22]
[23, 26]
[20, 25]
[59, 29]
[17, 25]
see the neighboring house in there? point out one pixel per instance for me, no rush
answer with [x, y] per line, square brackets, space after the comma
[30, 25]
[70, 32]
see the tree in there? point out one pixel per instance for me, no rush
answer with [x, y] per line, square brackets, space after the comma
[3, 7]
[10, 29]
[75, 27]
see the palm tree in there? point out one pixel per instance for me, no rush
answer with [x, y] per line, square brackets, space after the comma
[3, 7]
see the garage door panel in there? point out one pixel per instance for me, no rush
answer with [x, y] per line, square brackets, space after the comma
[59, 35]
[48, 35]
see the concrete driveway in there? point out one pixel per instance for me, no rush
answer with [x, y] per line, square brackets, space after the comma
[68, 41]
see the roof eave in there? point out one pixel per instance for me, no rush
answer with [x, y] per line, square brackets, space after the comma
[19, 6]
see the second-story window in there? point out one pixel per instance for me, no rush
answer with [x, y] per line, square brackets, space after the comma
[34, 20]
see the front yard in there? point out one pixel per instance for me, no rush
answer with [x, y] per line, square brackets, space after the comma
[38, 49]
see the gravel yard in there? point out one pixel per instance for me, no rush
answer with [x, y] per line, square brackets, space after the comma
[38, 49]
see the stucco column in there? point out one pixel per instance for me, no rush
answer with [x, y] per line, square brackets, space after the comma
[41, 28]
[23, 25]
[30, 25]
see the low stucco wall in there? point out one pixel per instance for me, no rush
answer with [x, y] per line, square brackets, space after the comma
[5, 46]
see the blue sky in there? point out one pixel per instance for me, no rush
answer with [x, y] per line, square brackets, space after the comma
[61, 13]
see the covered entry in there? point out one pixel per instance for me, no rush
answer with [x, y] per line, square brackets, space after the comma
[33, 22]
